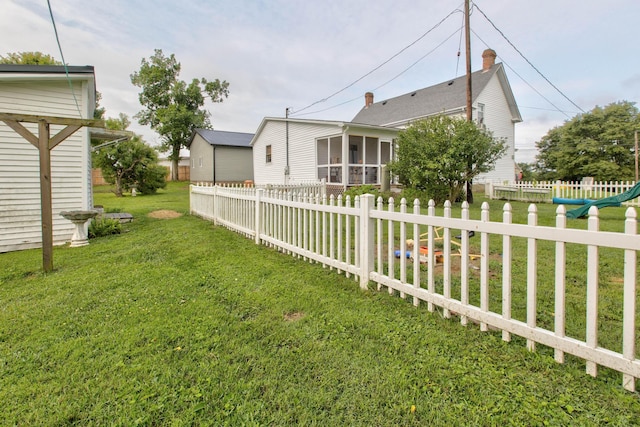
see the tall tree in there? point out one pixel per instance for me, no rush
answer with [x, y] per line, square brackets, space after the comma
[441, 154]
[172, 107]
[29, 58]
[599, 143]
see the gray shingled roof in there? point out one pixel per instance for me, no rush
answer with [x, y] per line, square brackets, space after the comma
[220, 137]
[442, 97]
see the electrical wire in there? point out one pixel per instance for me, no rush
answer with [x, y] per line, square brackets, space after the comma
[529, 62]
[66, 68]
[459, 47]
[522, 78]
[388, 81]
[379, 66]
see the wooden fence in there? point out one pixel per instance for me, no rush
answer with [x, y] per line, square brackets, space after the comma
[476, 277]
[545, 191]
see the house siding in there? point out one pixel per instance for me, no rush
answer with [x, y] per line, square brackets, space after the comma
[20, 217]
[498, 119]
[302, 151]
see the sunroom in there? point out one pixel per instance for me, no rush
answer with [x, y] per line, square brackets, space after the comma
[352, 159]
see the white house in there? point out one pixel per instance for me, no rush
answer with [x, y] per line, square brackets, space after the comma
[220, 156]
[493, 104]
[287, 151]
[46, 91]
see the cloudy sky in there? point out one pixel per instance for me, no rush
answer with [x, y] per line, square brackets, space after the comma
[281, 53]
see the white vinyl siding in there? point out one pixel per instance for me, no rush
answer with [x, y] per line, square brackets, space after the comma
[20, 217]
[498, 120]
[302, 151]
[309, 158]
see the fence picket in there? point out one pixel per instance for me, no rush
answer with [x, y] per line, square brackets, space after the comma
[629, 308]
[532, 277]
[560, 282]
[592, 291]
[507, 218]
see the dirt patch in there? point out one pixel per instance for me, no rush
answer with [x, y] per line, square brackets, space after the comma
[292, 317]
[164, 214]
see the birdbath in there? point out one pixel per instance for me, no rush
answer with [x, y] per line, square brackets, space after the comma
[79, 218]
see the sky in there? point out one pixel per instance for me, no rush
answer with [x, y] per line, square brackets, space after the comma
[319, 57]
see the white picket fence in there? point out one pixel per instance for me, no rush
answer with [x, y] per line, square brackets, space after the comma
[545, 191]
[478, 285]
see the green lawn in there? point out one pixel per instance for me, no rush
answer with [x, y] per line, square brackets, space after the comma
[177, 322]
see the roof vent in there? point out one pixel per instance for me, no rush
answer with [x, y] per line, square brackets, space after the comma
[384, 102]
[413, 94]
[450, 83]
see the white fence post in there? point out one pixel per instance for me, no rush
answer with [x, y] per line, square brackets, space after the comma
[593, 224]
[560, 279]
[258, 217]
[629, 310]
[367, 239]
[532, 276]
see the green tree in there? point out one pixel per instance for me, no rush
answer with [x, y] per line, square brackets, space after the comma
[130, 163]
[599, 143]
[172, 107]
[29, 58]
[439, 155]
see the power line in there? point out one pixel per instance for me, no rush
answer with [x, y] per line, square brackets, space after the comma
[379, 66]
[388, 81]
[529, 62]
[522, 78]
[66, 69]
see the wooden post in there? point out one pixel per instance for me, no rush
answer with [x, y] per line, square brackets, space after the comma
[45, 144]
[46, 208]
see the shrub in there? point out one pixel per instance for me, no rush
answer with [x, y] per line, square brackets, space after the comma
[101, 227]
[360, 190]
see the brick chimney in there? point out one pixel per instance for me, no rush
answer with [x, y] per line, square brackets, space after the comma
[368, 99]
[488, 59]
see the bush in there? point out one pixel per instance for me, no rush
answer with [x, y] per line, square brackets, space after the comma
[360, 190]
[101, 227]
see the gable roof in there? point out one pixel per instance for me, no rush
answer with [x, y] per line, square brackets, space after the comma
[445, 97]
[221, 137]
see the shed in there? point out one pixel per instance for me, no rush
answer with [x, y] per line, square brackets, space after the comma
[220, 156]
[66, 92]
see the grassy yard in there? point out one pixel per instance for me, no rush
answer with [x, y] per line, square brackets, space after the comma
[177, 322]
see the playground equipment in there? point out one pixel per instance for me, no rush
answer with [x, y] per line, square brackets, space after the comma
[436, 238]
[566, 201]
[616, 200]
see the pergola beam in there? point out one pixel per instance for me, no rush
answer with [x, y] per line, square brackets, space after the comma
[44, 143]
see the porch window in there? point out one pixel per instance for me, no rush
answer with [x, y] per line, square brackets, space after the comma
[329, 159]
[268, 154]
[364, 160]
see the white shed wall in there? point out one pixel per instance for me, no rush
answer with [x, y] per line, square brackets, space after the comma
[20, 221]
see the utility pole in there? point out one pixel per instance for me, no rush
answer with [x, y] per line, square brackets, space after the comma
[467, 38]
